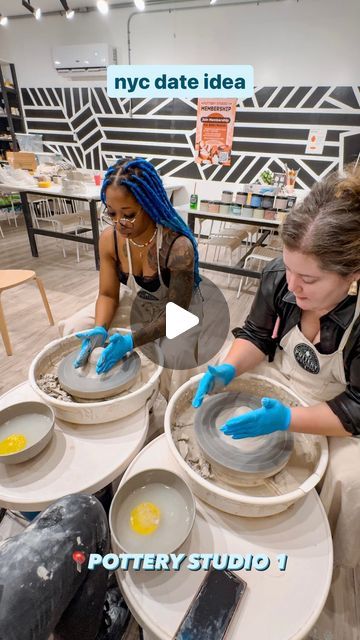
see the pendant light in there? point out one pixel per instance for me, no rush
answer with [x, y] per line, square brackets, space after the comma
[103, 6]
[68, 12]
[36, 12]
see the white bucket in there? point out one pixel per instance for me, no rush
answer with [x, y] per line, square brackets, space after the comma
[90, 412]
[246, 501]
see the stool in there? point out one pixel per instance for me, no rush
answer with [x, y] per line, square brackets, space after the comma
[229, 243]
[10, 278]
[261, 254]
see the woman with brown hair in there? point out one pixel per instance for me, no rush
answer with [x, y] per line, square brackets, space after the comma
[305, 320]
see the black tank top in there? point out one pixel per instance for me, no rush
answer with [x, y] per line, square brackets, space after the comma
[149, 283]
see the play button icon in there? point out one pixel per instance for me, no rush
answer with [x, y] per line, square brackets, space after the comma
[178, 320]
[191, 337]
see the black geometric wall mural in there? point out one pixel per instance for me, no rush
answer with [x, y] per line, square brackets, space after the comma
[271, 129]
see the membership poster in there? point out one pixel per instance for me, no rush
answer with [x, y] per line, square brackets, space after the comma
[214, 130]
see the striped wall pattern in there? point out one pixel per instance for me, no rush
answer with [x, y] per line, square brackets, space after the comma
[92, 130]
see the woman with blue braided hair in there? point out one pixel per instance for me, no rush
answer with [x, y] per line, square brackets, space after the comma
[149, 248]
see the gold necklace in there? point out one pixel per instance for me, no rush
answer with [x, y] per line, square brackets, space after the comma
[145, 244]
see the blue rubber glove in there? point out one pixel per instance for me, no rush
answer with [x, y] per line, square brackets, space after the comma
[117, 348]
[90, 340]
[220, 375]
[273, 416]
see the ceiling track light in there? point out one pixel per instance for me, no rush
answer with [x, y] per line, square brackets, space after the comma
[140, 5]
[68, 12]
[3, 21]
[103, 6]
[36, 12]
[212, 1]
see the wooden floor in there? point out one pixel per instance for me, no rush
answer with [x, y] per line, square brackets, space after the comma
[69, 287]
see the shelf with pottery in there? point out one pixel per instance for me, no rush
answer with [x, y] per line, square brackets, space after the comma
[204, 216]
[12, 115]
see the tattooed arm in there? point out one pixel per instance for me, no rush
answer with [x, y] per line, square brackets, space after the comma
[108, 298]
[181, 265]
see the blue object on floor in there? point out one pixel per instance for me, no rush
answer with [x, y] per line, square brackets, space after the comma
[30, 515]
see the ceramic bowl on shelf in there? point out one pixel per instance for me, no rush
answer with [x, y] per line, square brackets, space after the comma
[25, 430]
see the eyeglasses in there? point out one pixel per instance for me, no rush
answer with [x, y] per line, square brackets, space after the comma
[109, 217]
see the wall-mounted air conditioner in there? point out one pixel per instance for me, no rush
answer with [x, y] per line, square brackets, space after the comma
[84, 61]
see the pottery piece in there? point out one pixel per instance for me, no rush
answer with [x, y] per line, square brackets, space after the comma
[244, 461]
[85, 383]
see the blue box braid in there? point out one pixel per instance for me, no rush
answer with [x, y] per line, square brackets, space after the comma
[144, 182]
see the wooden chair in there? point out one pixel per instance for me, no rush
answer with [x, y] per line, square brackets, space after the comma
[10, 278]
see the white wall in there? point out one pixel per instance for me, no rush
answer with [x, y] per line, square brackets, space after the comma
[308, 42]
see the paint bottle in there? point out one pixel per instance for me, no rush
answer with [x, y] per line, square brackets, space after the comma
[194, 199]
[227, 197]
[214, 206]
[224, 207]
[241, 197]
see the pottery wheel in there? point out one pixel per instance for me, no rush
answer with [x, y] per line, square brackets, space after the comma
[86, 384]
[262, 455]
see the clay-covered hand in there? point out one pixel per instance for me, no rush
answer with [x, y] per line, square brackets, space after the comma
[221, 375]
[273, 416]
[117, 348]
[91, 339]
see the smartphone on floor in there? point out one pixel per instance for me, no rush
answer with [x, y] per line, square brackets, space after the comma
[213, 607]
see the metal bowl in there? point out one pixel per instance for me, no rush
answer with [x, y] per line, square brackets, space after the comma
[21, 418]
[176, 504]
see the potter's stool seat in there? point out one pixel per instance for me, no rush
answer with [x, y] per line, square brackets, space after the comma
[10, 278]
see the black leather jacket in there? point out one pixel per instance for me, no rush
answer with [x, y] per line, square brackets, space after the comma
[273, 300]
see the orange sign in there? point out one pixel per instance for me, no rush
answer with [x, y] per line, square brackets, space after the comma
[214, 130]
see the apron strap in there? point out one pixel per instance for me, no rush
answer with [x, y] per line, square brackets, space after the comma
[346, 335]
[159, 240]
[129, 256]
